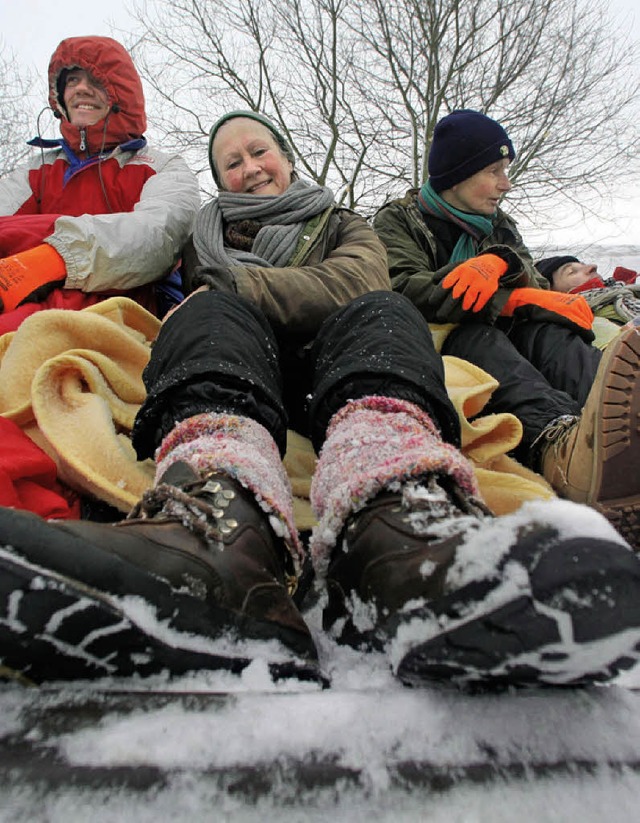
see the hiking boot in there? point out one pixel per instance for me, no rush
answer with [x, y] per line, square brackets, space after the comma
[198, 550]
[456, 595]
[595, 458]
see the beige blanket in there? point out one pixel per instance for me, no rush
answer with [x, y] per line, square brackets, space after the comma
[73, 382]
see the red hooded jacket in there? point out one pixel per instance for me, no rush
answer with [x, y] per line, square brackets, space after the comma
[116, 211]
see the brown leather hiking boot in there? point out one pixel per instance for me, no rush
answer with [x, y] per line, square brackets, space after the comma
[187, 583]
[595, 459]
[395, 550]
[458, 597]
[209, 537]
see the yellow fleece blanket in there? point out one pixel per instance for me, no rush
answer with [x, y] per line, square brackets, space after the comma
[73, 382]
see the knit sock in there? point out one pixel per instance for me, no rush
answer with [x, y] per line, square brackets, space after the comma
[372, 444]
[243, 450]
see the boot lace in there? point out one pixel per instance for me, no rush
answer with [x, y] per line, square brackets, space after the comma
[553, 437]
[203, 515]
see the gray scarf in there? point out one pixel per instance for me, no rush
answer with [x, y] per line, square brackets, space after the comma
[282, 218]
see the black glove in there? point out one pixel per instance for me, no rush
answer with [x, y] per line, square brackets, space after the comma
[215, 278]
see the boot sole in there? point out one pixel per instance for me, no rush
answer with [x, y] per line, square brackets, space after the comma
[577, 629]
[53, 628]
[616, 446]
[28, 538]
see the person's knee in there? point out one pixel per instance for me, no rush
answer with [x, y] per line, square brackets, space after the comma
[469, 338]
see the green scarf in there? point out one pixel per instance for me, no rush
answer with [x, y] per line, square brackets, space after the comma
[474, 226]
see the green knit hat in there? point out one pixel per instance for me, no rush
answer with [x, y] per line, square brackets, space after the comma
[259, 118]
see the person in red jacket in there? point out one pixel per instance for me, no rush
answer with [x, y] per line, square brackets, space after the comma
[96, 212]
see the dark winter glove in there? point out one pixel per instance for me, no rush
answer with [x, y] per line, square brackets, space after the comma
[215, 278]
[476, 280]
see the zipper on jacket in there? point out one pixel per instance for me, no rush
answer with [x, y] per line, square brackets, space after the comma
[83, 140]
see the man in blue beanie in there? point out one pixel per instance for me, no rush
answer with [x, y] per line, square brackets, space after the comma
[462, 261]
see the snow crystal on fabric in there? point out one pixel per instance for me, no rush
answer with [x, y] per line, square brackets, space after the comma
[245, 451]
[371, 444]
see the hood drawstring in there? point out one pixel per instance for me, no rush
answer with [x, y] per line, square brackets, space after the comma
[39, 133]
[100, 161]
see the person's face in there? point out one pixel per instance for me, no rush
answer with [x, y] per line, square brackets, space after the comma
[481, 193]
[571, 275]
[85, 100]
[249, 160]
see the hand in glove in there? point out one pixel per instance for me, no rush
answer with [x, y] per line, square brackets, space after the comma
[571, 307]
[477, 279]
[30, 275]
[215, 278]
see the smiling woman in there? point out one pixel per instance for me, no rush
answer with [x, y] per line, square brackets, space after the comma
[248, 158]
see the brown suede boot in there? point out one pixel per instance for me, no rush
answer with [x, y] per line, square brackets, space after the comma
[459, 597]
[393, 552]
[198, 550]
[596, 458]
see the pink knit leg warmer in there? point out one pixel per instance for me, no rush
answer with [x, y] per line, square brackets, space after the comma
[372, 444]
[243, 450]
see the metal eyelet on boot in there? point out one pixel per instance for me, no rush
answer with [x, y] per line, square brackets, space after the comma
[221, 500]
[291, 582]
[212, 487]
[227, 526]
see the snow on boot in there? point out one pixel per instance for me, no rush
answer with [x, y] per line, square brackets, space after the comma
[595, 458]
[79, 598]
[459, 598]
[547, 596]
[396, 550]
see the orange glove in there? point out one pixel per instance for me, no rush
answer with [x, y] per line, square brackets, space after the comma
[477, 278]
[24, 273]
[571, 306]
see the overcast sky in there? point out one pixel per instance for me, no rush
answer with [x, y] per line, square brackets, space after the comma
[33, 28]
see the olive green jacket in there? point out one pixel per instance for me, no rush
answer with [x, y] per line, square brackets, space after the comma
[418, 261]
[338, 259]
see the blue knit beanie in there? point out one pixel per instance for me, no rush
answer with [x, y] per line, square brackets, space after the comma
[465, 142]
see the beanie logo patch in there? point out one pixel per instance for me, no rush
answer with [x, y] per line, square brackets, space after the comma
[504, 151]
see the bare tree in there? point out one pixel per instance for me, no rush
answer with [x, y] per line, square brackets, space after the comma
[358, 85]
[290, 59]
[16, 117]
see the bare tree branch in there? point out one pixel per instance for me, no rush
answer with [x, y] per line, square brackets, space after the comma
[16, 124]
[357, 86]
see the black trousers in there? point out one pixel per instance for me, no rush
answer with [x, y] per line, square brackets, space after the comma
[545, 371]
[217, 352]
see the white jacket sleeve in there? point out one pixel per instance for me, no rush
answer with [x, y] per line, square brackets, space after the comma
[128, 249]
[15, 189]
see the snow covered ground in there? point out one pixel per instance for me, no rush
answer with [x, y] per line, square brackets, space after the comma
[212, 746]
[246, 749]
[390, 753]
